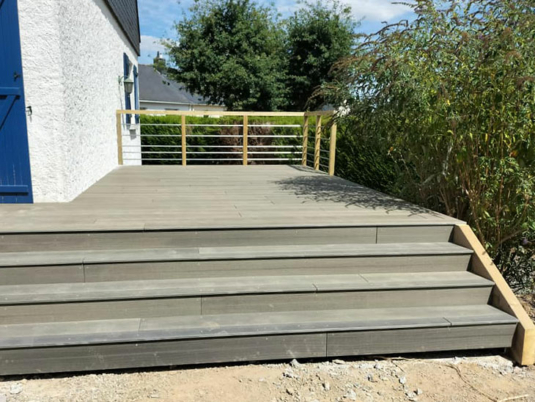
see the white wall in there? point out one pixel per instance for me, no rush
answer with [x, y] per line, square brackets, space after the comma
[72, 55]
[152, 105]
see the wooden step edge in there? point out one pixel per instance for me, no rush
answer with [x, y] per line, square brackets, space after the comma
[502, 297]
[229, 253]
[237, 325]
[235, 286]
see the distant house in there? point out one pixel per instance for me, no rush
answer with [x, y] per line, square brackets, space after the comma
[63, 69]
[158, 92]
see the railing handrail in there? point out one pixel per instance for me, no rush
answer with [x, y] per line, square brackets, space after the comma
[245, 133]
[221, 113]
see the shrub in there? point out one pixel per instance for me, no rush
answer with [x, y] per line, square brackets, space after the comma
[516, 259]
[451, 96]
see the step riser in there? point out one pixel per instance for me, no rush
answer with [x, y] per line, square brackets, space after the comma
[220, 238]
[237, 268]
[239, 349]
[213, 305]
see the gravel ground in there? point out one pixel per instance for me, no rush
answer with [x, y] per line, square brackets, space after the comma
[429, 378]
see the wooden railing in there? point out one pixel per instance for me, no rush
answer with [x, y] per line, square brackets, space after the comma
[135, 146]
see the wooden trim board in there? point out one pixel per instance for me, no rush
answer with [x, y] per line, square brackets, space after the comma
[213, 113]
[502, 297]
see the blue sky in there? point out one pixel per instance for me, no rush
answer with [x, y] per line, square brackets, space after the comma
[157, 18]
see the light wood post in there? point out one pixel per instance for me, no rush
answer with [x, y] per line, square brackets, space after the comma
[184, 146]
[317, 144]
[245, 132]
[502, 297]
[305, 141]
[119, 138]
[332, 149]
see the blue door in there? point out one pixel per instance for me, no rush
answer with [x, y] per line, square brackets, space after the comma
[15, 175]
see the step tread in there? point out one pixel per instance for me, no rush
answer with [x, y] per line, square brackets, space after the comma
[71, 292]
[217, 326]
[228, 253]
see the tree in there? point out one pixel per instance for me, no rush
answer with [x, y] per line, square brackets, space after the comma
[232, 53]
[319, 34]
[451, 95]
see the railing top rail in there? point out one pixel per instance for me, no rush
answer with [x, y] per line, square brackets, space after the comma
[226, 113]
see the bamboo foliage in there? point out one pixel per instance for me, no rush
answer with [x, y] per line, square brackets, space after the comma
[450, 98]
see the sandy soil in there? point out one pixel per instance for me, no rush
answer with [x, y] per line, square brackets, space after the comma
[439, 378]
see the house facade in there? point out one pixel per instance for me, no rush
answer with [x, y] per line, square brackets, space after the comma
[65, 67]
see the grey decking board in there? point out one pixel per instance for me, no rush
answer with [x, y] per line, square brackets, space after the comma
[209, 326]
[238, 304]
[173, 187]
[227, 253]
[420, 340]
[25, 259]
[114, 356]
[99, 310]
[304, 266]
[42, 275]
[194, 287]
[166, 353]
[189, 238]
[414, 234]
[344, 300]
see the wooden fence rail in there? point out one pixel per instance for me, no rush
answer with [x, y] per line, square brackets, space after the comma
[189, 153]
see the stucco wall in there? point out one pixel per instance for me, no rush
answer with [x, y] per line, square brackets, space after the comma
[72, 55]
[152, 105]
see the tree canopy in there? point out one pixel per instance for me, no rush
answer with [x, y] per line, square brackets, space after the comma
[318, 35]
[240, 54]
[231, 52]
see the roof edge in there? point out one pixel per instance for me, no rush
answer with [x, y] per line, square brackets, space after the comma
[137, 47]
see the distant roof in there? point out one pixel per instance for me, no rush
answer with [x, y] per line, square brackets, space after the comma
[127, 15]
[154, 86]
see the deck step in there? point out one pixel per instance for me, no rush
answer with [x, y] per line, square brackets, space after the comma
[111, 344]
[228, 253]
[222, 237]
[57, 293]
[160, 298]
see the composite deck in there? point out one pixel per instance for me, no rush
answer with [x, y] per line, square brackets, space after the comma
[159, 266]
[176, 197]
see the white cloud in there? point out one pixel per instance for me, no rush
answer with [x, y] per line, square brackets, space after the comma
[370, 10]
[150, 45]
[377, 10]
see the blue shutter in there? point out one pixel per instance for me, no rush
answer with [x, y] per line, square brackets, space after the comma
[136, 93]
[127, 104]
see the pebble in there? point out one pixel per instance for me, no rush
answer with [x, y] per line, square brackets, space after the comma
[351, 395]
[290, 391]
[327, 386]
[402, 380]
[338, 361]
[289, 373]
[295, 364]
[419, 391]
[15, 389]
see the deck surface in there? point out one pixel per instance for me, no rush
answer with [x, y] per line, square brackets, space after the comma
[198, 197]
